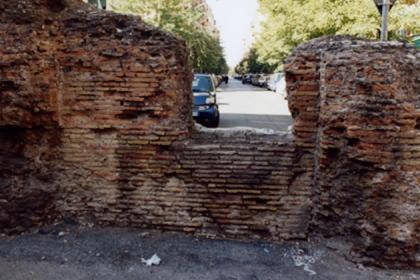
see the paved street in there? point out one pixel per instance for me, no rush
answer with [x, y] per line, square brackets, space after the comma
[249, 106]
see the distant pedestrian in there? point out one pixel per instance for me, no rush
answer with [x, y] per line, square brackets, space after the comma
[226, 79]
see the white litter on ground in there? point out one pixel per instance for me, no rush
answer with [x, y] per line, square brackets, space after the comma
[154, 260]
[300, 259]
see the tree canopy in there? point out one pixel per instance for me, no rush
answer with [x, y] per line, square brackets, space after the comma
[251, 64]
[180, 18]
[288, 23]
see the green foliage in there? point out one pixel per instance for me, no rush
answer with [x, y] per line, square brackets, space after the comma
[179, 17]
[252, 64]
[289, 23]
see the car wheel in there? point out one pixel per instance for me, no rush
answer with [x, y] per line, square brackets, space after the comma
[215, 122]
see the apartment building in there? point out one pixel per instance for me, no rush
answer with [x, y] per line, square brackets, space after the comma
[207, 21]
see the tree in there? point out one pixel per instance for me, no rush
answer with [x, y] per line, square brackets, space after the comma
[180, 18]
[251, 63]
[289, 23]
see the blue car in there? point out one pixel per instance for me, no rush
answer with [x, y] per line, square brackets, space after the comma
[205, 110]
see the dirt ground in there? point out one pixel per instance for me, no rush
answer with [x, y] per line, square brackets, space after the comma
[69, 252]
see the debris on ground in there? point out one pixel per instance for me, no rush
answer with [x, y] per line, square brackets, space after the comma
[301, 259]
[154, 260]
[144, 234]
[116, 254]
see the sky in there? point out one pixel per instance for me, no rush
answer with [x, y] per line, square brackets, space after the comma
[235, 20]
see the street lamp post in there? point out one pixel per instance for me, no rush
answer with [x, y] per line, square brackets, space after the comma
[384, 28]
[101, 4]
[384, 6]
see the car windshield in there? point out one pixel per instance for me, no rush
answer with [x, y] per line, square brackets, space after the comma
[202, 84]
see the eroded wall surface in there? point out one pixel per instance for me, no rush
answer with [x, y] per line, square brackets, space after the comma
[366, 141]
[84, 93]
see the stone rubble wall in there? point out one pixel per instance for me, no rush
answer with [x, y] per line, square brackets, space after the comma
[367, 160]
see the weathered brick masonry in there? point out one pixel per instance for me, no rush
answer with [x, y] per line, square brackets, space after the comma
[244, 184]
[95, 125]
[218, 184]
[96, 122]
[361, 121]
[85, 95]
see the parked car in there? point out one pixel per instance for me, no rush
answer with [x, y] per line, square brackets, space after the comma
[246, 79]
[263, 81]
[255, 78]
[267, 79]
[274, 79]
[281, 87]
[205, 109]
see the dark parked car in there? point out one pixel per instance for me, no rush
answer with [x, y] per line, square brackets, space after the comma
[254, 80]
[246, 79]
[205, 110]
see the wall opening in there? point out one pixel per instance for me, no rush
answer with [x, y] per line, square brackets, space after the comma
[243, 105]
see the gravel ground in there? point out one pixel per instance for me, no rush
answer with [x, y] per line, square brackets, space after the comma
[69, 252]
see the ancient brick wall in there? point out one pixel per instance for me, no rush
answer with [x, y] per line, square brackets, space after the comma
[96, 121]
[95, 125]
[236, 184]
[244, 184]
[367, 161]
[84, 94]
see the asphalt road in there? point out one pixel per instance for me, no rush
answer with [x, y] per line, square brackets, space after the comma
[116, 254]
[248, 106]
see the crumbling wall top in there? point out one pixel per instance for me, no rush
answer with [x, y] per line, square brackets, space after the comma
[57, 56]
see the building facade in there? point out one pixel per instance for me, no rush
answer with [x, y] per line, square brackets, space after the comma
[207, 20]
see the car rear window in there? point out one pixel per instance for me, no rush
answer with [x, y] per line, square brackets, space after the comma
[202, 84]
